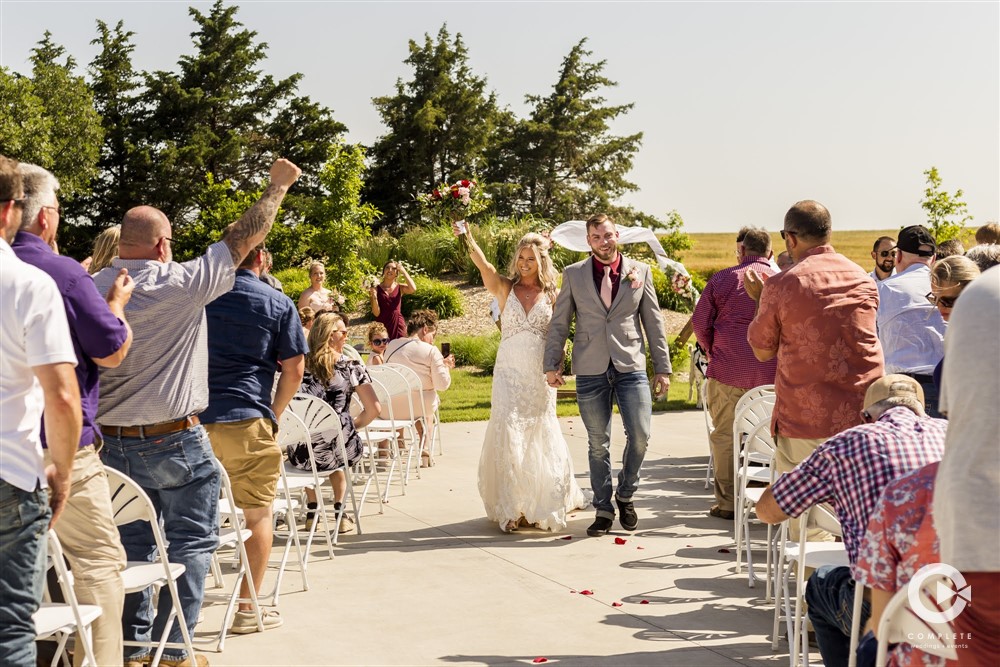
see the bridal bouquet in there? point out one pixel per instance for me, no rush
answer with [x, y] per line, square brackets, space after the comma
[369, 283]
[453, 203]
[681, 284]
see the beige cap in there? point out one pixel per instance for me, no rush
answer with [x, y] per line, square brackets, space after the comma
[893, 386]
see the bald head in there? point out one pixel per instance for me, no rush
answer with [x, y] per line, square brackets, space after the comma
[809, 220]
[145, 234]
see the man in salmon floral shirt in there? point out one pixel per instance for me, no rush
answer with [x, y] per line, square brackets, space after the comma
[818, 319]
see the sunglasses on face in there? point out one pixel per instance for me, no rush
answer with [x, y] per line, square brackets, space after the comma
[380, 341]
[788, 232]
[943, 301]
[887, 253]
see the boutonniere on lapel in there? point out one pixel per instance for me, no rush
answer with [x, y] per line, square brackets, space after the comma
[633, 278]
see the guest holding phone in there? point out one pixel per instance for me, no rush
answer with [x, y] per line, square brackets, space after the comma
[417, 351]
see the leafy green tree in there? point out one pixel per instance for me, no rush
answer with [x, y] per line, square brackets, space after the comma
[947, 214]
[24, 127]
[564, 159]
[439, 126]
[75, 132]
[49, 119]
[331, 227]
[222, 115]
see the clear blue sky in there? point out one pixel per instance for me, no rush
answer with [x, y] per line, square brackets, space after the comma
[745, 107]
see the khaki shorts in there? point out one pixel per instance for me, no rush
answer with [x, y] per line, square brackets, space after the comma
[250, 454]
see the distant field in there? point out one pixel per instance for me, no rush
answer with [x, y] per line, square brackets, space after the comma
[712, 252]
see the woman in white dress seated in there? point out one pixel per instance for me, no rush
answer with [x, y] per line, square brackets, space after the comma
[525, 471]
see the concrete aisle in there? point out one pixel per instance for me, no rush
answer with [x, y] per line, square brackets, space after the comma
[432, 582]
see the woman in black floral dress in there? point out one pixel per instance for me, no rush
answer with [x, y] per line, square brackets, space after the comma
[334, 378]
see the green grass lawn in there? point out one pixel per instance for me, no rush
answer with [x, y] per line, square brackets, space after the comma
[468, 398]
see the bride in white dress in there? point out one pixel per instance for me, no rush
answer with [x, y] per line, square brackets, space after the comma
[525, 471]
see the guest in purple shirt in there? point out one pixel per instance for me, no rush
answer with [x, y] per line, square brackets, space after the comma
[720, 322]
[101, 339]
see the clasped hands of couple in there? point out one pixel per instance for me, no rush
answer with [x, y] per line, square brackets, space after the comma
[661, 382]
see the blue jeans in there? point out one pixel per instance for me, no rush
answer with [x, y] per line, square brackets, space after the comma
[24, 523]
[931, 396]
[830, 596]
[594, 394]
[178, 472]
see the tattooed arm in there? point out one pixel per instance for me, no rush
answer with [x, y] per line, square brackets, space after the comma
[253, 226]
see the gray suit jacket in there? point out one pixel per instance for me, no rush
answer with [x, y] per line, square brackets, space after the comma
[604, 335]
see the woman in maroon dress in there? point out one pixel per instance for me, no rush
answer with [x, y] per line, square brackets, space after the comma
[387, 299]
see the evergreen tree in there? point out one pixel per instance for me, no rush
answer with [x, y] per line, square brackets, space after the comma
[439, 125]
[221, 115]
[125, 160]
[563, 159]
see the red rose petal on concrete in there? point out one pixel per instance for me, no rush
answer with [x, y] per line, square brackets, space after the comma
[537, 660]
[620, 540]
[568, 537]
[587, 592]
[723, 551]
[643, 601]
[616, 604]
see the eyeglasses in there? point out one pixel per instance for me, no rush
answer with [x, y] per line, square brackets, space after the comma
[891, 252]
[942, 301]
[166, 238]
[380, 341]
[787, 232]
[57, 208]
[867, 417]
[18, 200]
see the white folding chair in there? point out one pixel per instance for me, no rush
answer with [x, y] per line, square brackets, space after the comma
[709, 427]
[130, 503]
[804, 554]
[232, 537]
[900, 623]
[406, 408]
[291, 430]
[753, 408]
[758, 447]
[63, 620]
[322, 420]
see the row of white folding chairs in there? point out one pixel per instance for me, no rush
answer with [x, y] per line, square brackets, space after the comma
[752, 410]
[400, 393]
[61, 621]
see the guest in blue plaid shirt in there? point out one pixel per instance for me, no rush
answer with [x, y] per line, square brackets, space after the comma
[850, 471]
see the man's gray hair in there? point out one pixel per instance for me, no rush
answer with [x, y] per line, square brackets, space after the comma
[755, 240]
[986, 255]
[912, 402]
[40, 188]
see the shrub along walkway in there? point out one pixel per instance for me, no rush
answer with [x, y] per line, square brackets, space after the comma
[433, 582]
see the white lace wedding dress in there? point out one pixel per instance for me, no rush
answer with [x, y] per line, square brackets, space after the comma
[525, 468]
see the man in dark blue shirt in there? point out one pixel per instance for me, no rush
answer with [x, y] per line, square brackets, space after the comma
[251, 330]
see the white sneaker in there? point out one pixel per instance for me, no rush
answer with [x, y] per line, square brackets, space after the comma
[245, 623]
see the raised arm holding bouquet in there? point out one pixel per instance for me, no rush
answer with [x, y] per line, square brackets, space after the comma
[452, 204]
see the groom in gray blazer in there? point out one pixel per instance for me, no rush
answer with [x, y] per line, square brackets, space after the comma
[610, 296]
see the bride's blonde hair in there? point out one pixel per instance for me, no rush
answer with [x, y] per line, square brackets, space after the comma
[547, 275]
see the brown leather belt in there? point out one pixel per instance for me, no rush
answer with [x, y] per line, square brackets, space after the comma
[163, 428]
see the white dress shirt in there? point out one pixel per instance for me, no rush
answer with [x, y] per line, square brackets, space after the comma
[910, 329]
